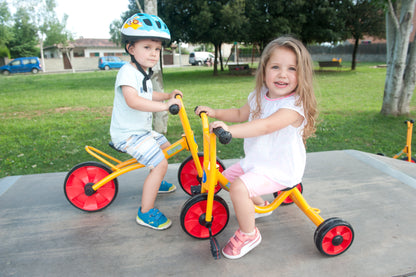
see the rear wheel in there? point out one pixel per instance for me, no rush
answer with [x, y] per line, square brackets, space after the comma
[188, 175]
[35, 70]
[289, 200]
[413, 160]
[78, 187]
[333, 237]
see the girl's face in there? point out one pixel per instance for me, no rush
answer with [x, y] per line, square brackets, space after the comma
[146, 52]
[280, 75]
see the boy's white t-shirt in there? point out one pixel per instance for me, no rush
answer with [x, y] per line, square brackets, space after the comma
[126, 121]
[281, 155]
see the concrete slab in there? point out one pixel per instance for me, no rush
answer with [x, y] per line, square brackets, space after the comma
[41, 234]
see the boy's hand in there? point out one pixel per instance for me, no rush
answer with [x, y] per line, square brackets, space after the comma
[173, 101]
[210, 112]
[175, 92]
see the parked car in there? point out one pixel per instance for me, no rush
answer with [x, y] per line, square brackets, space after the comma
[199, 58]
[21, 65]
[110, 62]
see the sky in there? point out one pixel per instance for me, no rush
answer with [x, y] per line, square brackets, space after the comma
[90, 18]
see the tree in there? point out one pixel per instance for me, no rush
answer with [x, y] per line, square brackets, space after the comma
[6, 33]
[401, 59]
[45, 27]
[24, 40]
[362, 17]
[202, 21]
[160, 119]
[266, 21]
[319, 21]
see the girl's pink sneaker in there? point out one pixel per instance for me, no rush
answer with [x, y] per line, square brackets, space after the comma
[240, 244]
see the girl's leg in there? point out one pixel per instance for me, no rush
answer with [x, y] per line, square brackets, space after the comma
[258, 201]
[243, 206]
[151, 185]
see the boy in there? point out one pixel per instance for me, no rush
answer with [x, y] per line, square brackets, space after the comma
[134, 101]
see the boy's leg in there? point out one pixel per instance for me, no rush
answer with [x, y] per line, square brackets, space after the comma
[148, 215]
[151, 185]
[146, 149]
[166, 187]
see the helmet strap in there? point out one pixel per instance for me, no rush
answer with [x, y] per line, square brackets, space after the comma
[146, 76]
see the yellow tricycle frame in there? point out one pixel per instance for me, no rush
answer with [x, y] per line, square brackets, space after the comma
[82, 188]
[407, 150]
[332, 237]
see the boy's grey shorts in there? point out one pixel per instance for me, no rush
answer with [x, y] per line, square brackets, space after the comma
[144, 148]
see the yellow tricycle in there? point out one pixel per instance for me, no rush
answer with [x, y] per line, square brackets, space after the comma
[93, 186]
[205, 215]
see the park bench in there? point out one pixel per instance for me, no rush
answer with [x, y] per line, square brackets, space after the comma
[239, 69]
[336, 63]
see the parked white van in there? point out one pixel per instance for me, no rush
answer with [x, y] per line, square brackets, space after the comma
[199, 58]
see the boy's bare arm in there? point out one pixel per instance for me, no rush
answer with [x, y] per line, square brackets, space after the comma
[137, 102]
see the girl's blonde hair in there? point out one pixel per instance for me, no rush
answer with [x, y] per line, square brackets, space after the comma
[304, 75]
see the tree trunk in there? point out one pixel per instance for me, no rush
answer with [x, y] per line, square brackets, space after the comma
[400, 77]
[354, 54]
[160, 119]
[220, 59]
[216, 59]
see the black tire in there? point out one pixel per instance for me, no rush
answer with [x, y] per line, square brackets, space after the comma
[288, 200]
[193, 216]
[188, 176]
[413, 160]
[35, 70]
[333, 237]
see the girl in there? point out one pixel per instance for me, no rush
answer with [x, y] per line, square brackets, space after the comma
[281, 116]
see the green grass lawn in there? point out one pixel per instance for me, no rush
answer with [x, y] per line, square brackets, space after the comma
[46, 120]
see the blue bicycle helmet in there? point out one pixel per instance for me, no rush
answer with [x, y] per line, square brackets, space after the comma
[144, 26]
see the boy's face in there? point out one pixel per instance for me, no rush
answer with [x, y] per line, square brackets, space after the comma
[146, 52]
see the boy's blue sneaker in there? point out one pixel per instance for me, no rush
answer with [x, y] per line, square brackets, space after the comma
[153, 219]
[166, 187]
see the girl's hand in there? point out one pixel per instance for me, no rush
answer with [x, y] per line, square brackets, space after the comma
[210, 112]
[217, 124]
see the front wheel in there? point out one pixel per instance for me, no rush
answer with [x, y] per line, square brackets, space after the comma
[78, 182]
[193, 219]
[333, 237]
[188, 175]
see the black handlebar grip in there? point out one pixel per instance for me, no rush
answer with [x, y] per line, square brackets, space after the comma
[223, 136]
[200, 111]
[174, 109]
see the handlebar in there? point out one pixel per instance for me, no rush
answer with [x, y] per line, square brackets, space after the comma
[223, 136]
[174, 109]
